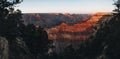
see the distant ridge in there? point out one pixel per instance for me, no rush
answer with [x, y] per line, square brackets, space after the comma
[48, 20]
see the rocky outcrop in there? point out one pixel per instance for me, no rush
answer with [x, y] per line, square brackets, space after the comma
[19, 50]
[14, 50]
[4, 50]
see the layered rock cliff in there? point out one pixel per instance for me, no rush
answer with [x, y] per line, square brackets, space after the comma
[64, 34]
[80, 31]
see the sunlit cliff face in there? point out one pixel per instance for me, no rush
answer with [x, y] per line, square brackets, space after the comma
[80, 31]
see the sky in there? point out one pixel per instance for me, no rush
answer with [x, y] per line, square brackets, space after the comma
[65, 6]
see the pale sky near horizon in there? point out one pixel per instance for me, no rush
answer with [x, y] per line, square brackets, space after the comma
[66, 6]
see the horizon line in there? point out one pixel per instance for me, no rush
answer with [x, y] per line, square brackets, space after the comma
[60, 13]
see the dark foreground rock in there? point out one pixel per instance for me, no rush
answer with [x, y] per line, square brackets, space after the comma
[105, 42]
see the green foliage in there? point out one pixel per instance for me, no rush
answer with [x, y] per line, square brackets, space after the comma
[12, 27]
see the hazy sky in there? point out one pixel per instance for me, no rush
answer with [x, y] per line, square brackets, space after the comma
[66, 6]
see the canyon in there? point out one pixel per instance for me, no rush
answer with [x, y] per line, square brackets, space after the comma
[66, 29]
[65, 26]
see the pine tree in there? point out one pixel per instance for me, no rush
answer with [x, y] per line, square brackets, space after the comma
[11, 27]
[9, 18]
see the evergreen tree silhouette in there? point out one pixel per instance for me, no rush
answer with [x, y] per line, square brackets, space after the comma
[11, 27]
[69, 53]
[9, 18]
[36, 39]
